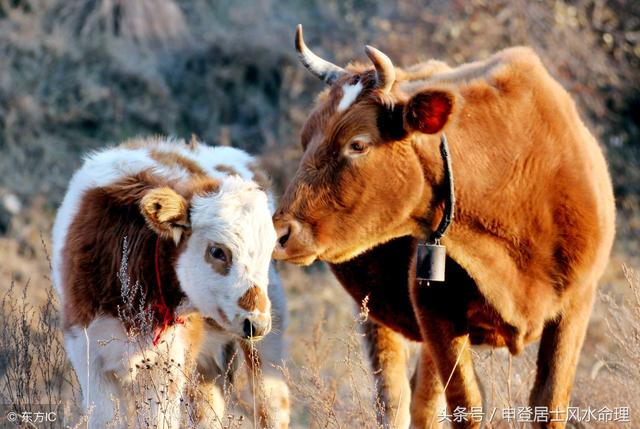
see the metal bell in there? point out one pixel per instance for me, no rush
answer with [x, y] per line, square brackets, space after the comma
[431, 260]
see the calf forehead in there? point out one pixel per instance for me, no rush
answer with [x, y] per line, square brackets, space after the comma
[239, 215]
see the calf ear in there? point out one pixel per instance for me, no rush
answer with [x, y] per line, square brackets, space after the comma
[166, 212]
[429, 111]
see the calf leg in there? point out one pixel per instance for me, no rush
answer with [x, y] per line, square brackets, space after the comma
[117, 374]
[165, 381]
[388, 355]
[558, 357]
[103, 398]
[207, 399]
[427, 400]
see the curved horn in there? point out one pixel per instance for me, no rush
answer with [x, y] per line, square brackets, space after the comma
[323, 69]
[385, 72]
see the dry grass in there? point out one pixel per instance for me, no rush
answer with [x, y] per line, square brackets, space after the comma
[329, 376]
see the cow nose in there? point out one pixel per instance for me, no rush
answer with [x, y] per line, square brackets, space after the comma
[284, 232]
[285, 229]
[256, 327]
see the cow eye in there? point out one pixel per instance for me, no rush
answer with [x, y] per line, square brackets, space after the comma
[358, 146]
[217, 253]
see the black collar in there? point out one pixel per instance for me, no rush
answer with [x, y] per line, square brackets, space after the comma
[430, 255]
[449, 198]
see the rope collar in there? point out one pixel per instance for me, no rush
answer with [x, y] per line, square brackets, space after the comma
[160, 308]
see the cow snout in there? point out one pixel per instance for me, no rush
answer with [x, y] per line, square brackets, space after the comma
[295, 241]
[256, 307]
[256, 327]
[284, 232]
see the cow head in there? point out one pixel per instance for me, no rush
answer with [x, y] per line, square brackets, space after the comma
[362, 178]
[226, 237]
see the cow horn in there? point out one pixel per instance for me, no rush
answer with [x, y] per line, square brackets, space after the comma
[385, 72]
[323, 69]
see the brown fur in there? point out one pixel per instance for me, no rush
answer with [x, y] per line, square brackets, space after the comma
[227, 169]
[534, 220]
[171, 159]
[259, 176]
[164, 210]
[389, 366]
[254, 300]
[93, 255]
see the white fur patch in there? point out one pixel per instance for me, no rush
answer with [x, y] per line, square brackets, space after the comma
[349, 95]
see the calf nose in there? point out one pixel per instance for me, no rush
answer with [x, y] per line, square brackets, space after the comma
[256, 327]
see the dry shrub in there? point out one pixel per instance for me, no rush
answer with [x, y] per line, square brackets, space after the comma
[34, 372]
[335, 392]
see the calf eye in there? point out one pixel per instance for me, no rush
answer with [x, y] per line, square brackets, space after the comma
[218, 253]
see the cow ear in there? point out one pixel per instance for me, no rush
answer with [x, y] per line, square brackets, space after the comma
[166, 212]
[429, 111]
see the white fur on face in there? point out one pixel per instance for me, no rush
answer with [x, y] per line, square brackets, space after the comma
[237, 216]
[349, 95]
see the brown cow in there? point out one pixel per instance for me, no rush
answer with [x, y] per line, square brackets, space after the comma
[532, 230]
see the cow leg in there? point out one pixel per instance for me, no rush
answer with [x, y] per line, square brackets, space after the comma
[388, 354]
[118, 374]
[450, 351]
[558, 357]
[216, 367]
[427, 400]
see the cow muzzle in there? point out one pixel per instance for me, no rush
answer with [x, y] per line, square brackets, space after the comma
[254, 327]
[295, 242]
[255, 321]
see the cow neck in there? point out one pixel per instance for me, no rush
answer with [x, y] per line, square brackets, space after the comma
[167, 318]
[430, 255]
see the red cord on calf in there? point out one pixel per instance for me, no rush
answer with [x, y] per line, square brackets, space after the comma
[164, 312]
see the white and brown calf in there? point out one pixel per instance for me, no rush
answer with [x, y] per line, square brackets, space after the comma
[196, 231]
